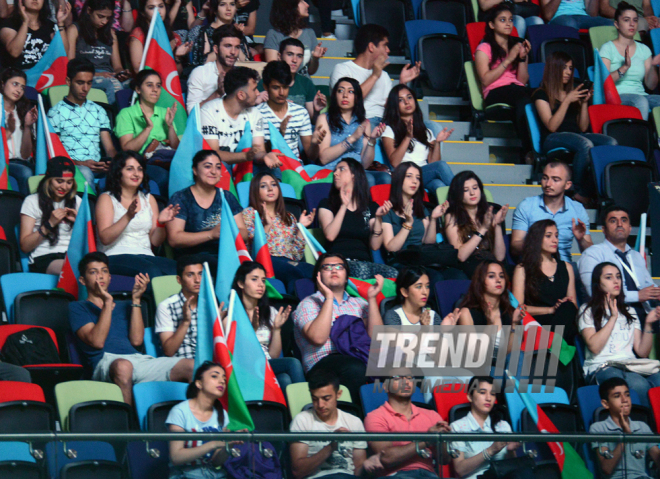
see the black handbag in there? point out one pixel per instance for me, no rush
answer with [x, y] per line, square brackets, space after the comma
[503, 468]
[437, 254]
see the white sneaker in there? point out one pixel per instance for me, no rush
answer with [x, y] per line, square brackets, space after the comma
[329, 37]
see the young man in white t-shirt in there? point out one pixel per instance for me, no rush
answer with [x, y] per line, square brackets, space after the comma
[224, 119]
[372, 50]
[311, 459]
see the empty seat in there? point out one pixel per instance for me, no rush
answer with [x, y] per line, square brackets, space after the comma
[7, 258]
[452, 11]
[150, 393]
[89, 469]
[390, 14]
[73, 392]
[442, 57]
[626, 185]
[630, 132]
[10, 205]
[143, 465]
[17, 283]
[157, 415]
[76, 451]
[537, 34]
[600, 114]
[448, 292]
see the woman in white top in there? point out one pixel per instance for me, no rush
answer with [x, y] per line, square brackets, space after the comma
[127, 225]
[413, 288]
[406, 138]
[20, 117]
[618, 340]
[250, 284]
[47, 217]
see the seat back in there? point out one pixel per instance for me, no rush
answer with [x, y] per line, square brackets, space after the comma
[157, 415]
[299, 397]
[565, 418]
[152, 344]
[304, 287]
[26, 417]
[19, 391]
[629, 132]
[268, 416]
[626, 185]
[57, 93]
[10, 205]
[373, 399]
[599, 114]
[537, 34]
[313, 194]
[390, 14]
[637, 413]
[535, 71]
[17, 283]
[95, 469]
[100, 416]
[448, 396]
[73, 392]
[164, 287]
[386, 304]
[288, 191]
[143, 465]
[416, 29]
[534, 125]
[654, 399]
[573, 47]
[455, 12]
[146, 394]
[16, 451]
[442, 57]
[589, 400]
[601, 156]
[57, 457]
[9, 329]
[474, 86]
[123, 98]
[516, 405]
[7, 258]
[448, 292]
[599, 36]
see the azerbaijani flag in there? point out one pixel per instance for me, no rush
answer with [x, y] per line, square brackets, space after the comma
[181, 175]
[82, 242]
[158, 56]
[359, 288]
[51, 69]
[570, 463]
[212, 346]
[244, 171]
[293, 172]
[566, 351]
[605, 91]
[49, 146]
[255, 375]
[4, 151]
[260, 246]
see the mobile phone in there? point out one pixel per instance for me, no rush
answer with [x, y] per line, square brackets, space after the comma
[517, 39]
[587, 85]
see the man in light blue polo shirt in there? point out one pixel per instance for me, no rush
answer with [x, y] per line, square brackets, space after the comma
[573, 13]
[570, 216]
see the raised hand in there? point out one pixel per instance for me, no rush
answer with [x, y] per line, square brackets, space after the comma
[103, 294]
[170, 115]
[147, 118]
[240, 26]
[444, 134]
[132, 209]
[379, 64]
[653, 316]
[519, 314]
[307, 219]
[525, 48]
[168, 214]
[318, 136]
[255, 315]
[375, 289]
[62, 12]
[410, 72]
[183, 50]
[320, 101]
[30, 117]
[440, 210]
[140, 286]
[23, 11]
[263, 97]
[579, 229]
[323, 289]
[57, 216]
[452, 318]
[375, 134]
[425, 317]
[346, 197]
[282, 316]
[266, 217]
[488, 217]
[408, 213]
[627, 60]
[499, 217]
[410, 133]
[319, 51]
[188, 306]
[612, 306]
[284, 124]
[514, 53]
[384, 209]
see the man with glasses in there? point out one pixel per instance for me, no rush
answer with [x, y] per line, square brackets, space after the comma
[405, 459]
[316, 314]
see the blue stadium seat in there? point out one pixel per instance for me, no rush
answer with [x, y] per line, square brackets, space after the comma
[448, 292]
[16, 451]
[147, 394]
[304, 287]
[123, 98]
[516, 406]
[538, 34]
[589, 401]
[243, 190]
[145, 466]
[312, 195]
[601, 156]
[16, 283]
[278, 285]
[372, 400]
[416, 29]
[57, 458]
[152, 345]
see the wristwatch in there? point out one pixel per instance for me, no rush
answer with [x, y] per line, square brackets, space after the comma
[619, 72]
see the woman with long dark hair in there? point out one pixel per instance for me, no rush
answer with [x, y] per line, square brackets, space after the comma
[352, 223]
[564, 115]
[289, 19]
[196, 229]
[413, 288]
[470, 224]
[136, 40]
[345, 131]
[128, 221]
[26, 34]
[487, 301]
[501, 64]
[200, 412]
[20, 117]
[94, 39]
[250, 284]
[406, 138]
[47, 217]
[545, 283]
[612, 332]
[286, 243]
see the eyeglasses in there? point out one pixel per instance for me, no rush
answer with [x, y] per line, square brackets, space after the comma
[335, 266]
[407, 378]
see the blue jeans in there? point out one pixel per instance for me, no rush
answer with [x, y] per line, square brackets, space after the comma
[580, 144]
[378, 178]
[636, 382]
[521, 23]
[132, 264]
[287, 371]
[110, 86]
[435, 175]
[21, 170]
[581, 21]
[289, 274]
[644, 103]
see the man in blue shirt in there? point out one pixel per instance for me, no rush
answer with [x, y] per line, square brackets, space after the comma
[107, 333]
[638, 286]
[571, 217]
[573, 13]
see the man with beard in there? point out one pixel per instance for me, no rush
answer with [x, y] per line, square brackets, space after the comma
[206, 82]
[571, 217]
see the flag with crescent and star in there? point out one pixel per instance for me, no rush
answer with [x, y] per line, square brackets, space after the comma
[158, 56]
[51, 69]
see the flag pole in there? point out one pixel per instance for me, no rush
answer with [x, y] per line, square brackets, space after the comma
[147, 42]
[207, 270]
[44, 119]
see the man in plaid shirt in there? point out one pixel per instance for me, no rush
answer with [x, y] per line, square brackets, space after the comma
[176, 317]
[315, 315]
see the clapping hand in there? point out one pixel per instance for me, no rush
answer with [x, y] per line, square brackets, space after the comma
[410, 72]
[408, 213]
[452, 318]
[284, 124]
[140, 286]
[501, 214]
[425, 317]
[319, 51]
[307, 219]
[440, 210]
[132, 209]
[375, 289]
[384, 209]
[183, 50]
[168, 214]
[319, 134]
[30, 117]
[320, 101]
[612, 306]
[170, 115]
[282, 316]
[579, 229]
[444, 134]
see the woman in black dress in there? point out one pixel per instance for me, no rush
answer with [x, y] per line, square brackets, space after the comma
[545, 283]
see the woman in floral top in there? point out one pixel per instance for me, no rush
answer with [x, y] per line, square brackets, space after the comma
[286, 244]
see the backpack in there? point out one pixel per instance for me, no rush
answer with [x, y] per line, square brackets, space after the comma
[350, 337]
[254, 463]
[30, 346]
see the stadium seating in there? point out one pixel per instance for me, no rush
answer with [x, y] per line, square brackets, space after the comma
[495, 112]
[164, 287]
[372, 399]
[7, 258]
[10, 205]
[516, 405]
[73, 454]
[633, 133]
[457, 13]
[16, 462]
[600, 114]
[534, 126]
[603, 34]
[390, 14]
[14, 284]
[57, 93]
[146, 395]
[299, 397]
[537, 34]
[23, 409]
[144, 465]
[75, 392]
[416, 29]
[448, 292]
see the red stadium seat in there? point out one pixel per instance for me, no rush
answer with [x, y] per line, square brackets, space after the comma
[600, 114]
[476, 32]
[654, 399]
[17, 391]
[381, 193]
